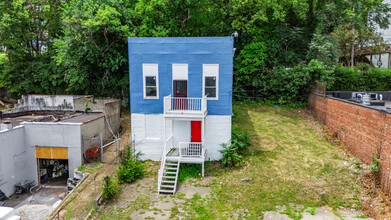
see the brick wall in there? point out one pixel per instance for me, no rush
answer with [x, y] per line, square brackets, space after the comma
[367, 132]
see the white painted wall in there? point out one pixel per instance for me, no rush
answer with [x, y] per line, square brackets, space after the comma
[217, 131]
[45, 102]
[375, 58]
[13, 159]
[54, 135]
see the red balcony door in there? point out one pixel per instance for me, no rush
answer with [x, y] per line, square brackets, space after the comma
[180, 92]
[195, 131]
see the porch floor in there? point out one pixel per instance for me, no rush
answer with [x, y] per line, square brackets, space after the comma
[173, 155]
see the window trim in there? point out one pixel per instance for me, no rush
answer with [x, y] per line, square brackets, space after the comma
[150, 69]
[205, 74]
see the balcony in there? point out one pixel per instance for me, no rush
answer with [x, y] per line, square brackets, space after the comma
[185, 107]
[188, 152]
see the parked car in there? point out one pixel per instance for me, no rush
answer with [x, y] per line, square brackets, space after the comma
[7, 213]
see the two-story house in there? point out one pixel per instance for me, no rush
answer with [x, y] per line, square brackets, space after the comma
[180, 100]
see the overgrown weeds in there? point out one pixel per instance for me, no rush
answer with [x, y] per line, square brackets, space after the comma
[110, 188]
[131, 168]
[232, 154]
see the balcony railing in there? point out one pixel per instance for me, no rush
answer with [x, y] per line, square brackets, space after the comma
[177, 105]
[191, 149]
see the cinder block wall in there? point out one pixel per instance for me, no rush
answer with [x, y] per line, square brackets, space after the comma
[367, 132]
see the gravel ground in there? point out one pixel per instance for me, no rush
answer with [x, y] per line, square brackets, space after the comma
[34, 212]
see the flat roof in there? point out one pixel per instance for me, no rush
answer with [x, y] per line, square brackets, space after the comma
[53, 117]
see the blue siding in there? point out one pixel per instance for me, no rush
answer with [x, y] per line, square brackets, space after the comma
[194, 51]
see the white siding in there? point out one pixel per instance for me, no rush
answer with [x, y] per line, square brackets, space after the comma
[54, 135]
[218, 131]
[13, 159]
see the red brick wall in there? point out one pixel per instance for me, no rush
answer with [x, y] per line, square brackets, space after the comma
[367, 132]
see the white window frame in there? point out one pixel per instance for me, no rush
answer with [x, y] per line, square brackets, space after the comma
[207, 70]
[151, 69]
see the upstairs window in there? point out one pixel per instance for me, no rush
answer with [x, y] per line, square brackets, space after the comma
[151, 81]
[211, 81]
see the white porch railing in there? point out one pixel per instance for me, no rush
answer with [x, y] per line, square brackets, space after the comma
[184, 105]
[191, 149]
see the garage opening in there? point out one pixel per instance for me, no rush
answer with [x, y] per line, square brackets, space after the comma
[52, 164]
[53, 169]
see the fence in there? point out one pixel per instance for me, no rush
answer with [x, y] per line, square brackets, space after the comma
[96, 180]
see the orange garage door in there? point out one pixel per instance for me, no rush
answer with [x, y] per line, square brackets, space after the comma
[51, 153]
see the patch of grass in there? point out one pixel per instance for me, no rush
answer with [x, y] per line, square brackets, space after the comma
[360, 216]
[92, 167]
[312, 211]
[174, 212]
[293, 212]
[287, 163]
[187, 170]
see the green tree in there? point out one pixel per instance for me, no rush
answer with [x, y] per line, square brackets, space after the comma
[27, 31]
[323, 48]
[93, 47]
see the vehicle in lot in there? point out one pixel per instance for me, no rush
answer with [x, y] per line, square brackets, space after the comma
[8, 213]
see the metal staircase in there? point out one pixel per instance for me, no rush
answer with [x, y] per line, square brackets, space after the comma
[168, 176]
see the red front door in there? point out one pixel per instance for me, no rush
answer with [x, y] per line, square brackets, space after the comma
[180, 93]
[195, 131]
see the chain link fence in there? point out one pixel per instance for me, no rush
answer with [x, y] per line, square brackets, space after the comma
[95, 181]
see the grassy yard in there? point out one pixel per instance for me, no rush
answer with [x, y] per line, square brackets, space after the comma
[288, 162]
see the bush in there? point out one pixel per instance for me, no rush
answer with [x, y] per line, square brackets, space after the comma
[232, 154]
[240, 140]
[131, 168]
[361, 78]
[231, 157]
[110, 188]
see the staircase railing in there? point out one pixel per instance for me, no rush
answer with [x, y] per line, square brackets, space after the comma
[163, 161]
[161, 170]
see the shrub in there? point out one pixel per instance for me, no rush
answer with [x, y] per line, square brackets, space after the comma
[110, 188]
[231, 157]
[232, 154]
[131, 168]
[240, 140]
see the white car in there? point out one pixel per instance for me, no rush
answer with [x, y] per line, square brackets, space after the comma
[7, 213]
